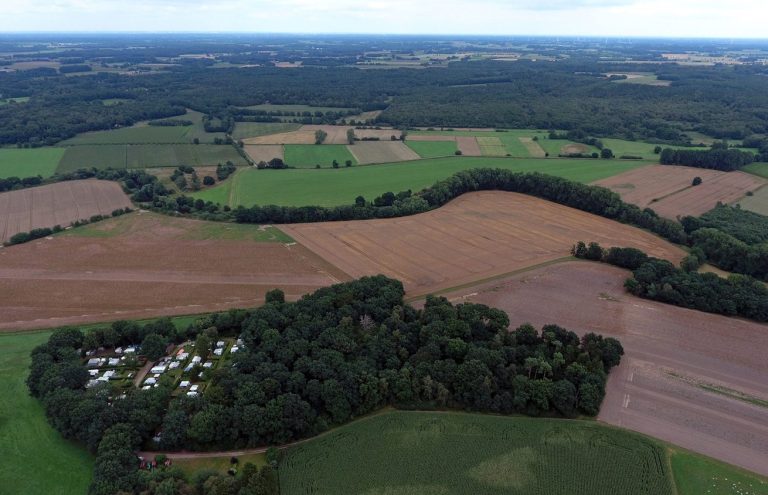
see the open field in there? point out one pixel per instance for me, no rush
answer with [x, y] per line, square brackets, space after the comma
[290, 137]
[491, 146]
[532, 147]
[668, 191]
[329, 187]
[142, 133]
[468, 146]
[58, 204]
[691, 378]
[366, 152]
[760, 169]
[147, 155]
[410, 453]
[264, 152]
[645, 78]
[757, 202]
[29, 162]
[244, 130]
[337, 134]
[309, 155]
[142, 265]
[476, 236]
[432, 148]
[36, 458]
[695, 475]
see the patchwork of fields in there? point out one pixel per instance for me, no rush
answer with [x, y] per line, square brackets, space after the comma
[58, 204]
[476, 236]
[29, 162]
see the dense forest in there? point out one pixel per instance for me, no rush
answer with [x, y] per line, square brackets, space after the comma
[660, 280]
[335, 355]
[716, 158]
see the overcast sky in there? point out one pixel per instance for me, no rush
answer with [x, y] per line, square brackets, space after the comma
[667, 18]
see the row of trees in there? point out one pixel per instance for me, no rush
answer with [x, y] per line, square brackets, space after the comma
[716, 158]
[337, 354]
[660, 280]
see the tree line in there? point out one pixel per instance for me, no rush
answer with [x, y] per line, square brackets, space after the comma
[304, 367]
[725, 160]
[660, 280]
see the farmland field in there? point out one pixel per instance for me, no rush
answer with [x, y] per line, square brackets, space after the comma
[147, 155]
[432, 149]
[668, 191]
[695, 475]
[143, 264]
[309, 155]
[29, 162]
[410, 453]
[491, 146]
[245, 130]
[58, 204]
[264, 152]
[476, 236]
[687, 377]
[757, 202]
[367, 152]
[37, 458]
[331, 187]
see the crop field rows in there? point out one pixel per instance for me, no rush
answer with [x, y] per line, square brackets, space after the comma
[476, 236]
[58, 204]
[494, 455]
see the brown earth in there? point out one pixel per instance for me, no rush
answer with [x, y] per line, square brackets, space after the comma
[366, 152]
[668, 191]
[476, 236]
[301, 136]
[264, 152]
[468, 146]
[143, 265]
[533, 147]
[419, 137]
[574, 149]
[673, 357]
[58, 204]
[337, 134]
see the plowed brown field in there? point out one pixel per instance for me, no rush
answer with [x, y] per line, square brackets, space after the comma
[668, 191]
[264, 152]
[58, 204]
[144, 265]
[691, 378]
[476, 236]
[366, 152]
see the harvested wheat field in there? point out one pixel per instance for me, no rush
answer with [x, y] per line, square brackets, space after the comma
[337, 134]
[264, 152]
[58, 204]
[668, 191]
[691, 378]
[491, 146]
[293, 137]
[468, 146]
[574, 149]
[366, 152]
[533, 147]
[143, 265]
[476, 236]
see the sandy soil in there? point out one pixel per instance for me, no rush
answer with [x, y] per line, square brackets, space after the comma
[476, 236]
[672, 355]
[667, 188]
[58, 204]
[149, 265]
[366, 152]
[533, 147]
[264, 152]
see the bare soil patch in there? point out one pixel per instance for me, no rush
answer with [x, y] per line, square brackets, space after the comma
[144, 265]
[366, 152]
[476, 236]
[58, 204]
[468, 146]
[574, 149]
[337, 134]
[667, 188]
[264, 152]
[301, 136]
[420, 137]
[674, 358]
[533, 147]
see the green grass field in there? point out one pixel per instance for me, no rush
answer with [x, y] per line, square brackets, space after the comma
[145, 134]
[255, 129]
[432, 149]
[758, 202]
[309, 155]
[329, 187]
[697, 475]
[35, 457]
[422, 453]
[16, 162]
[760, 169]
[147, 155]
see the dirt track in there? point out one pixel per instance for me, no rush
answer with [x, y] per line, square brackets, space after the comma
[58, 204]
[149, 265]
[672, 355]
[476, 236]
[667, 188]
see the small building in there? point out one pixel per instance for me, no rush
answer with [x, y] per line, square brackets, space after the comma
[188, 368]
[192, 393]
[234, 349]
[150, 381]
[220, 344]
[184, 384]
[196, 359]
[158, 370]
[119, 350]
[194, 388]
[114, 361]
[182, 356]
[174, 365]
[109, 374]
[93, 373]
[218, 352]
[146, 387]
[208, 365]
[92, 383]
[94, 362]
[130, 350]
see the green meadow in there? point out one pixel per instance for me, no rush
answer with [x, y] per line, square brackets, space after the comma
[15, 162]
[309, 155]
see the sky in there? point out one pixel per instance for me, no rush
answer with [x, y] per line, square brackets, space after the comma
[622, 18]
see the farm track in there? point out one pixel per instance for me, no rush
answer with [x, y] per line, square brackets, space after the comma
[672, 354]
